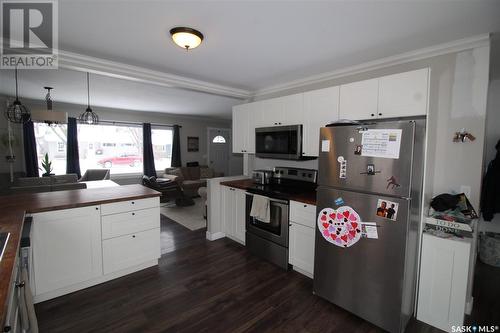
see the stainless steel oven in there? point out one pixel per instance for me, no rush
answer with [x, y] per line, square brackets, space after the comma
[283, 142]
[269, 240]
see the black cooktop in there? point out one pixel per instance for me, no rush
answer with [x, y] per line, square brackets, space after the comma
[4, 238]
[283, 189]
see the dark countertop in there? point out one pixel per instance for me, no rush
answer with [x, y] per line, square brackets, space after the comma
[308, 196]
[14, 207]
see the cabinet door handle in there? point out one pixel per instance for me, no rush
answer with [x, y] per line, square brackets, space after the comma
[380, 114]
[133, 236]
[97, 208]
[133, 213]
[305, 206]
[373, 114]
[133, 203]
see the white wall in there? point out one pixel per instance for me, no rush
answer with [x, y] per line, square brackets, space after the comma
[458, 90]
[191, 126]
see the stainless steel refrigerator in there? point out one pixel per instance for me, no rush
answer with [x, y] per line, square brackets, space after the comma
[368, 217]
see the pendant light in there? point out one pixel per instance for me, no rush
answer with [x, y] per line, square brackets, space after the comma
[187, 38]
[49, 116]
[16, 112]
[88, 116]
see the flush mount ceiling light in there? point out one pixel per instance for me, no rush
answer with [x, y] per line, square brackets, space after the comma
[187, 38]
[88, 116]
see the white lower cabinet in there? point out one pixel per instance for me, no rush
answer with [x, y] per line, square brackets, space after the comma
[301, 237]
[442, 290]
[301, 248]
[80, 247]
[66, 247]
[233, 213]
[130, 250]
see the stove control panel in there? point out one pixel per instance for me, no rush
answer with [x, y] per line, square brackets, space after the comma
[305, 175]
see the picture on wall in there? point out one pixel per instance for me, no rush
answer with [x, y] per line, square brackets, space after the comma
[193, 143]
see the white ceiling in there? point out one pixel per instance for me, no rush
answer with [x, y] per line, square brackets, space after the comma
[256, 44]
[71, 87]
[248, 45]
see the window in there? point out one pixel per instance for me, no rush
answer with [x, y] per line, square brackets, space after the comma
[219, 139]
[118, 148]
[114, 147]
[51, 140]
[161, 139]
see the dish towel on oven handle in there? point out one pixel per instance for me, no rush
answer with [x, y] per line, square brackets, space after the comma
[261, 208]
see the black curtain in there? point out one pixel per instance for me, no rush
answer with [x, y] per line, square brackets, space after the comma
[147, 151]
[72, 156]
[30, 154]
[176, 148]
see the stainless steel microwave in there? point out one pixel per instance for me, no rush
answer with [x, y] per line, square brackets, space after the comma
[283, 142]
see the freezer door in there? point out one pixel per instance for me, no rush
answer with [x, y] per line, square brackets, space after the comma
[367, 277]
[375, 158]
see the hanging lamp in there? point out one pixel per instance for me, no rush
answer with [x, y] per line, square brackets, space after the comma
[88, 116]
[16, 112]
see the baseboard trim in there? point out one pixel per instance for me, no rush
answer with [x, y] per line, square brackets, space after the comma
[95, 281]
[214, 236]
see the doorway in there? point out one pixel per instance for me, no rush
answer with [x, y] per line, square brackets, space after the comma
[219, 145]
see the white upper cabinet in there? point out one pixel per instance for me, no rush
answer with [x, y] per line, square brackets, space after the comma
[280, 111]
[244, 118]
[293, 110]
[404, 94]
[271, 112]
[321, 107]
[359, 100]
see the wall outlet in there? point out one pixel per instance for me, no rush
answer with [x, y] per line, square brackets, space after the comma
[465, 189]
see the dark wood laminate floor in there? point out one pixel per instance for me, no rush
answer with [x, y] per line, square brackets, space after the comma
[202, 286]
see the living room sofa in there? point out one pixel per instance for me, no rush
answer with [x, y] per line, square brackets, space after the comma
[47, 184]
[191, 178]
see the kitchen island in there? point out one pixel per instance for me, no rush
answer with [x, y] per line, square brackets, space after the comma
[105, 216]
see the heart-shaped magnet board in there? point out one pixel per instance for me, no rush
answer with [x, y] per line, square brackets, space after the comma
[341, 226]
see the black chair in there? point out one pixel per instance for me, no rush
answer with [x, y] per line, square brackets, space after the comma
[170, 190]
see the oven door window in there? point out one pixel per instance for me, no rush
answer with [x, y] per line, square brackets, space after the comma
[282, 142]
[274, 225]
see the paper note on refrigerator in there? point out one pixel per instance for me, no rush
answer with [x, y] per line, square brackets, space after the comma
[384, 143]
[325, 146]
[369, 230]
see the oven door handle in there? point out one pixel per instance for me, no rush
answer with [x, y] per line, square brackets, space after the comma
[284, 202]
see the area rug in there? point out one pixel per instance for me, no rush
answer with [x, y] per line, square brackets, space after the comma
[190, 217]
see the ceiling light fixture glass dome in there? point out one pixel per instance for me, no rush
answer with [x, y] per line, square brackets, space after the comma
[187, 38]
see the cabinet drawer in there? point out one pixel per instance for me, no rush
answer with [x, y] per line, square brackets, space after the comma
[130, 250]
[129, 205]
[127, 223]
[303, 213]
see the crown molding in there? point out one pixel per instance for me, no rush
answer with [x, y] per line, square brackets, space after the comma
[441, 49]
[83, 63]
